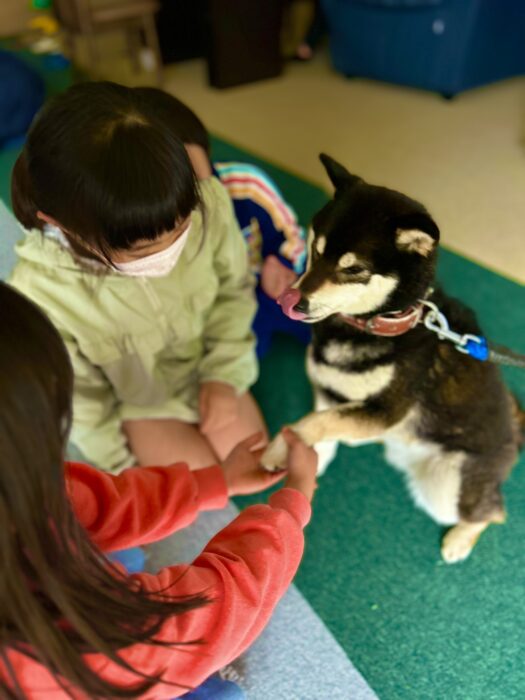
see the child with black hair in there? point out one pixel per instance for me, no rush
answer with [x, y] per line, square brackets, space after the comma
[144, 272]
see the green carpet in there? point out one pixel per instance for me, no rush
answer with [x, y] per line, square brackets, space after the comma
[416, 628]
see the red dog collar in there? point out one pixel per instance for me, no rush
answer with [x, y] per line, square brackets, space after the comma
[389, 324]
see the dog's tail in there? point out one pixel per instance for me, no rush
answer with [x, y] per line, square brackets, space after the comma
[518, 415]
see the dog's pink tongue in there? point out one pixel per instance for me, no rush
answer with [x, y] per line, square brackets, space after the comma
[288, 300]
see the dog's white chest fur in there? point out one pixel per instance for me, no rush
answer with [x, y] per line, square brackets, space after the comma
[433, 475]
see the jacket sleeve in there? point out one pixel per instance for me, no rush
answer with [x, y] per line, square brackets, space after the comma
[229, 344]
[142, 504]
[96, 429]
[245, 570]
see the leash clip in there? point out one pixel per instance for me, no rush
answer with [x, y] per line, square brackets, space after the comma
[468, 344]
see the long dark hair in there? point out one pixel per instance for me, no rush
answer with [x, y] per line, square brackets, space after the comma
[59, 597]
[101, 161]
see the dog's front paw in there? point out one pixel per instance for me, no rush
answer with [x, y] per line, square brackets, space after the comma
[275, 455]
[457, 544]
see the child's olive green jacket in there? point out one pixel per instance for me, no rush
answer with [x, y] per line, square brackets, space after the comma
[140, 346]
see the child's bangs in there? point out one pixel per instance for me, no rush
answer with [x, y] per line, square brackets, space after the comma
[119, 178]
[143, 187]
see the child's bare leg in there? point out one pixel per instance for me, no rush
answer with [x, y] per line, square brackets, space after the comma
[250, 421]
[161, 442]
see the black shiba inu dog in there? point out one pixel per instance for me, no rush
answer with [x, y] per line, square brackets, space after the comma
[446, 420]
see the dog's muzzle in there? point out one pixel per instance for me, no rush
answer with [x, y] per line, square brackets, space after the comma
[293, 304]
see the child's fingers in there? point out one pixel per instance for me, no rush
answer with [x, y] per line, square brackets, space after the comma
[291, 438]
[257, 454]
[251, 440]
[268, 479]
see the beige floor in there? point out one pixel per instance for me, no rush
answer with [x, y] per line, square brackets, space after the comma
[465, 159]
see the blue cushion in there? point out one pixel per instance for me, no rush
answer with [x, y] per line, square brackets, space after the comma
[215, 688]
[21, 96]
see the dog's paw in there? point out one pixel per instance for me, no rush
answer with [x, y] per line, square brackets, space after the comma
[275, 455]
[457, 544]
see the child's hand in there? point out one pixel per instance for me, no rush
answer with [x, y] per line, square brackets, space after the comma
[242, 472]
[276, 277]
[218, 406]
[301, 465]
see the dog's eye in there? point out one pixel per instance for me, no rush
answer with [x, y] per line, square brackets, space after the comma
[354, 269]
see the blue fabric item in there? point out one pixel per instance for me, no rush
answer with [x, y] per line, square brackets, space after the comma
[446, 46]
[55, 61]
[21, 96]
[247, 209]
[216, 689]
[132, 559]
[269, 320]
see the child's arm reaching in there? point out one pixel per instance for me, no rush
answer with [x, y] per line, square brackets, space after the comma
[145, 504]
[142, 504]
[243, 571]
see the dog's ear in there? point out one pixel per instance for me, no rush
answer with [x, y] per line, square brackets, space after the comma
[416, 233]
[337, 173]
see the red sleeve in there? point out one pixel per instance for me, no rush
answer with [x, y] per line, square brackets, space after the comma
[142, 504]
[245, 569]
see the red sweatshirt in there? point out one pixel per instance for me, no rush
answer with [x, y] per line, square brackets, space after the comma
[245, 568]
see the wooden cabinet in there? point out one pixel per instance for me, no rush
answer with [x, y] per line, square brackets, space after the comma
[15, 16]
[244, 41]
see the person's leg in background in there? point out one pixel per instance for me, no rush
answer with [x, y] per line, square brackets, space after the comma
[317, 30]
[250, 421]
[160, 442]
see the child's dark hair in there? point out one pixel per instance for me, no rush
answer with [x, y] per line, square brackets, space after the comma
[180, 118]
[104, 163]
[59, 597]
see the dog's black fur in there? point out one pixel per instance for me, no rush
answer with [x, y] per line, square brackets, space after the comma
[462, 413]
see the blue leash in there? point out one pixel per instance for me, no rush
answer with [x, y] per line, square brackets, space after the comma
[476, 346]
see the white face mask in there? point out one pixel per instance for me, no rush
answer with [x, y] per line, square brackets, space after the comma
[158, 264]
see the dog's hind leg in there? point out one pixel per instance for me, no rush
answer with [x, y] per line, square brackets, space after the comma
[480, 503]
[460, 540]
